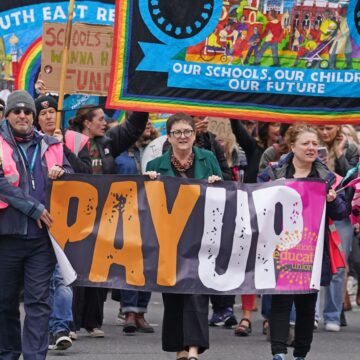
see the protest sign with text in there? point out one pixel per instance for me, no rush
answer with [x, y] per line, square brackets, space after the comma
[186, 236]
[21, 25]
[89, 60]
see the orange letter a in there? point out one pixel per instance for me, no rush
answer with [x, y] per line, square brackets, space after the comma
[169, 226]
[122, 201]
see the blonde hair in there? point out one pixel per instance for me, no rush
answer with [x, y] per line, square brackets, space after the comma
[353, 135]
[229, 146]
[294, 131]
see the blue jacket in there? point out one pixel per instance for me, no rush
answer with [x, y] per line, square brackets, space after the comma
[336, 209]
[129, 162]
[24, 207]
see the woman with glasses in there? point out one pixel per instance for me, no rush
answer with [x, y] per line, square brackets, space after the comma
[185, 322]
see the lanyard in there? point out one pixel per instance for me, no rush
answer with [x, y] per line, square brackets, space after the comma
[31, 164]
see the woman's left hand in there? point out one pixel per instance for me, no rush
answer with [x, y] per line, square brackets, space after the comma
[213, 178]
[55, 172]
[152, 174]
[331, 195]
[339, 145]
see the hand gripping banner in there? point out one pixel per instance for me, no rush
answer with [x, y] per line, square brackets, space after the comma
[267, 60]
[186, 236]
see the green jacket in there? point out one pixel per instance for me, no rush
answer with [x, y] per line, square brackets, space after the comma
[205, 164]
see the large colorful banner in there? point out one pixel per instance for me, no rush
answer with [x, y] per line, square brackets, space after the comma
[21, 24]
[186, 236]
[268, 60]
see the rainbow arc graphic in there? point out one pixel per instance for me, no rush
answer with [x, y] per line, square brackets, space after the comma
[29, 67]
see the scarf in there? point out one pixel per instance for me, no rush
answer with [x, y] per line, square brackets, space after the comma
[23, 138]
[182, 167]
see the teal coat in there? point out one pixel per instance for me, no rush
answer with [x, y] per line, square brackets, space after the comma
[205, 164]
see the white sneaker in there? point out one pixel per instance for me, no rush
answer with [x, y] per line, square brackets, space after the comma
[351, 285]
[332, 327]
[96, 333]
[121, 318]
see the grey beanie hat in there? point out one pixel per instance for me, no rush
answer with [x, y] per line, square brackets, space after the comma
[20, 99]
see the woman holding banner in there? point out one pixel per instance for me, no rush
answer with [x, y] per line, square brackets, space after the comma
[88, 303]
[301, 162]
[185, 323]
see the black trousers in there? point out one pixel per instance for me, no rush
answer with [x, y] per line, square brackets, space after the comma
[88, 307]
[354, 260]
[221, 302]
[185, 322]
[304, 324]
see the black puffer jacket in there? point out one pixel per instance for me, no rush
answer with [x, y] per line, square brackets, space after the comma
[252, 149]
[119, 139]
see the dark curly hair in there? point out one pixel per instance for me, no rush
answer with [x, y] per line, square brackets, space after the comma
[86, 112]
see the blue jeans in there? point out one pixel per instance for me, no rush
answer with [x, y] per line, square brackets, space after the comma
[274, 51]
[28, 262]
[61, 315]
[134, 301]
[334, 293]
[332, 58]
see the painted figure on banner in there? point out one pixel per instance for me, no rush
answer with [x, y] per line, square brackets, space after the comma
[272, 36]
[342, 42]
[305, 48]
[254, 42]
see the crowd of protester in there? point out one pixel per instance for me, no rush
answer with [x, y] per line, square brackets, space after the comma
[33, 150]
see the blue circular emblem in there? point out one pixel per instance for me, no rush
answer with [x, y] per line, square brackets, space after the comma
[353, 20]
[180, 22]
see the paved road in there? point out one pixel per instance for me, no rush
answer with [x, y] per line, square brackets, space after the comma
[223, 344]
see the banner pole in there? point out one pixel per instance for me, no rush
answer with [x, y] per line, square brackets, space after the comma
[64, 62]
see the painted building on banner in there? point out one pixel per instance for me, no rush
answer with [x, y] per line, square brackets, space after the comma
[308, 14]
[268, 5]
[300, 20]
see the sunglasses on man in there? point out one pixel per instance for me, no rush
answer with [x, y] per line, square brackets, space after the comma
[17, 111]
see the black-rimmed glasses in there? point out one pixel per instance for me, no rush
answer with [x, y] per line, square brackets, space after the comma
[178, 133]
